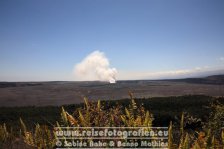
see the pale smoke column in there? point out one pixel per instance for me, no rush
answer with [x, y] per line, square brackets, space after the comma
[95, 66]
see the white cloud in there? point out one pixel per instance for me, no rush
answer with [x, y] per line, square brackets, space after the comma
[172, 74]
[95, 66]
[221, 59]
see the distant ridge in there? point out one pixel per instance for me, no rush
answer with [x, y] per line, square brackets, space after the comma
[17, 84]
[214, 79]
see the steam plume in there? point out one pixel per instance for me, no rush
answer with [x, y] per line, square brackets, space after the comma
[95, 66]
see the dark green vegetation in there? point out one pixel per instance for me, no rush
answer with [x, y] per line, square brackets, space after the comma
[164, 109]
[194, 121]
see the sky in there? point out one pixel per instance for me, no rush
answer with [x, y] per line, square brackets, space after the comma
[44, 40]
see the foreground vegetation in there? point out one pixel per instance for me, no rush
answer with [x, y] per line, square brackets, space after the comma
[194, 121]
